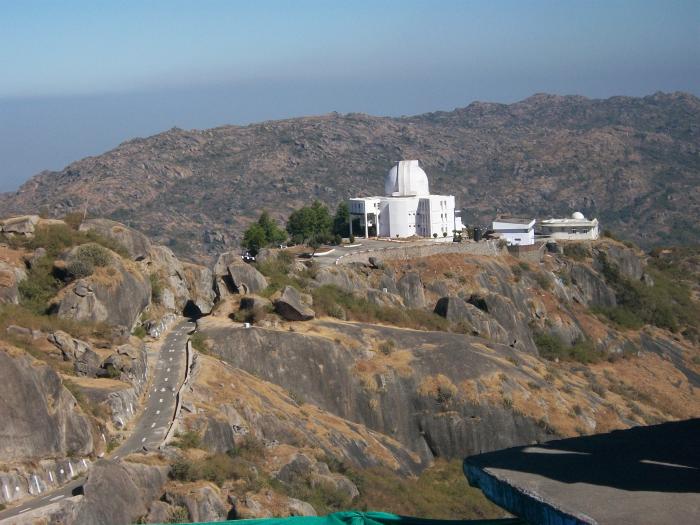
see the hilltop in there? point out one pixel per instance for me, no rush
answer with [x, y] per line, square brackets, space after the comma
[632, 162]
[351, 386]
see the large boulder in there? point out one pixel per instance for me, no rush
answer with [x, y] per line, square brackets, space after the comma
[471, 319]
[343, 278]
[85, 361]
[410, 287]
[301, 468]
[245, 279]
[385, 299]
[115, 295]
[222, 281]
[169, 270]
[129, 363]
[202, 501]
[200, 283]
[118, 492]
[511, 318]
[136, 243]
[290, 306]
[24, 225]
[41, 418]
[10, 276]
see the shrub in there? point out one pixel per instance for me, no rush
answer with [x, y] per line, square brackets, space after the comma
[251, 448]
[39, 286]
[139, 332]
[667, 304]
[94, 254]
[74, 220]
[156, 288]
[56, 238]
[199, 342]
[188, 439]
[552, 347]
[79, 269]
[387, 347]
[543, 280]
[576, 251]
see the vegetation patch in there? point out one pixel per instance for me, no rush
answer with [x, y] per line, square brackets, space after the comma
[552, 347]
[440, 492]
[200, 342]
[328, 297]
[666, 304]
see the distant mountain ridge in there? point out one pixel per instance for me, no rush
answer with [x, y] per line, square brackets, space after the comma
[632, 162]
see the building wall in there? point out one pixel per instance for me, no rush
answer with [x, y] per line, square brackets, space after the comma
[437, 215]
[566, 233]
[408, 216]
[402, 216]
[486, 248]
[517, 237]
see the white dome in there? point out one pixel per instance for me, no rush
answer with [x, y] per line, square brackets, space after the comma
[577, 215]
[406, 178]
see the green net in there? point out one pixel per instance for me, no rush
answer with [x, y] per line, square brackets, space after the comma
[368, 518]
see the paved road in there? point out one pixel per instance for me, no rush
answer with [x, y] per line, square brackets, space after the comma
[151, 426]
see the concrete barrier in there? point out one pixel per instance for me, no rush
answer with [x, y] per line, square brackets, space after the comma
[487, 248]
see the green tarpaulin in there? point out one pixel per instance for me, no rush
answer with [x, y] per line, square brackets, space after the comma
[367, 518]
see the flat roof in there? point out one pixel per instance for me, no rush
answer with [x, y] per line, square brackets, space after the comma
[513, 220]
[568, 222]
[642, 475]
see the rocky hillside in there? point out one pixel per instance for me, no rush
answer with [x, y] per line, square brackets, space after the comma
[632, 162]
[353, 386]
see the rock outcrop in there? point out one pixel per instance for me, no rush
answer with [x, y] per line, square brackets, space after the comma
[410, 287]
[303, 468]
[22, 226]
[471, 319]
[291, 306]
[115, 295]
[85, 361]
[345, 380]
[593, 291]
[10, 276]
[135, 242]
[344, 278]
[41, 418]
[118, 493]
[200, 283]
[202, 501]
[245, 279]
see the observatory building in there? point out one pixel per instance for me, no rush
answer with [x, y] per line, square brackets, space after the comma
[575, 228]
[407, 209]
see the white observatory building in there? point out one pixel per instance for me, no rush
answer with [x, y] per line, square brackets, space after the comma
[576, 228]
[407, 208]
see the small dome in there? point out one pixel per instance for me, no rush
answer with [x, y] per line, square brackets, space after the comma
[577, 215]
[406, 178]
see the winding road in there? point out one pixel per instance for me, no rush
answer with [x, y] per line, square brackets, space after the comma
[152, 425]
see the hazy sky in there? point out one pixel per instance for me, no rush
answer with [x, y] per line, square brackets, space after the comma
[78, 77]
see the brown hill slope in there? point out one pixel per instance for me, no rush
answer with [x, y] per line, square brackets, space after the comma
[633, 162]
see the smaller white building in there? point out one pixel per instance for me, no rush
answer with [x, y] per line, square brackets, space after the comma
[576, 228]
[516, 231]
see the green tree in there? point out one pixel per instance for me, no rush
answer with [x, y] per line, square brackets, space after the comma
[264, 232]
[254, 238]
[341, 220]
[311, 225]
[273, 233]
